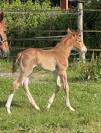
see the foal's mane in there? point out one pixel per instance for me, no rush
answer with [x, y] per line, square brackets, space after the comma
[63, 40]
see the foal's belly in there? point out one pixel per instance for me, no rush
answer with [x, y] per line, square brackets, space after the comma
[48, 66]
[46, 60]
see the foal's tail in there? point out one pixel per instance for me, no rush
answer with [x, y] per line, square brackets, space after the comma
[15, 62]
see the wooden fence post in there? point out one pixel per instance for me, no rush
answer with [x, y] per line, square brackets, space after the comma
[80, 22]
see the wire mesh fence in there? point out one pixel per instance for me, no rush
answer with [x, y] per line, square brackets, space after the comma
[45, 35]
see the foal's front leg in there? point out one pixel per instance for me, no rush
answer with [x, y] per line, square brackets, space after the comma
[66, 90]
[58, 86]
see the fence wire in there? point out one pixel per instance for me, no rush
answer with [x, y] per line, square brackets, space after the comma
[52, 38]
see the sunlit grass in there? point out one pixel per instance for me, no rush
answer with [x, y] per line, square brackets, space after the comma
[85, 97]
[5, 66]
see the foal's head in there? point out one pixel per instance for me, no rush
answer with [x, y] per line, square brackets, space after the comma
[4, 48]
[77, 42]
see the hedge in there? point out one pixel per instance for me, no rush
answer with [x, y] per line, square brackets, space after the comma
[34, 23]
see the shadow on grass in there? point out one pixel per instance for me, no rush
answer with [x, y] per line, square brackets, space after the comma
[3, 103]
[75, 79]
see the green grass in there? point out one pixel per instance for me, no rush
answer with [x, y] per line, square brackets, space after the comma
[5, 66]
[85, 97]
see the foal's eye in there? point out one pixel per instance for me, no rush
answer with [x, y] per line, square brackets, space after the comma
[5, 31]
[0, 39]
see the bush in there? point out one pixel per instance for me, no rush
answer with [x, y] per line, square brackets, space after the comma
[91, 70]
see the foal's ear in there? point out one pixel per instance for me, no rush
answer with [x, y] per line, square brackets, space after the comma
[1, 16]
[78, 32]
[69, 31]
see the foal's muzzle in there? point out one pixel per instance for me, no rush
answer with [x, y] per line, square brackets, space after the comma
[4, 48]
[4, 54]
[83, 50]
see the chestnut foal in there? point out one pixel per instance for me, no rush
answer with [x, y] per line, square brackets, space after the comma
[55, 60]
[4, 48]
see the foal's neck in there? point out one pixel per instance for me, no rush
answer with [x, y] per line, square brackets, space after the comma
[65, 46]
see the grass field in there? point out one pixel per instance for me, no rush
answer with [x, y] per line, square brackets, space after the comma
[85, 98]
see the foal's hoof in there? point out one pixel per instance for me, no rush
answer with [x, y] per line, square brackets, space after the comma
[48, 108]
[8, 110]
[37, 108]
[72, 109]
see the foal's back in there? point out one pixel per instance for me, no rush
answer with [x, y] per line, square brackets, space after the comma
[39, 57]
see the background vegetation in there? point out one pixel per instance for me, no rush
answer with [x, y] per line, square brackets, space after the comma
[35, 23]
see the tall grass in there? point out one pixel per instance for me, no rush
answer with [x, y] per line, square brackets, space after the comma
[91, 70]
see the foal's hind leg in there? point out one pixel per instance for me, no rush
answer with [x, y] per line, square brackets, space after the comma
[15, 85]
[32, 101]
[58, 86]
